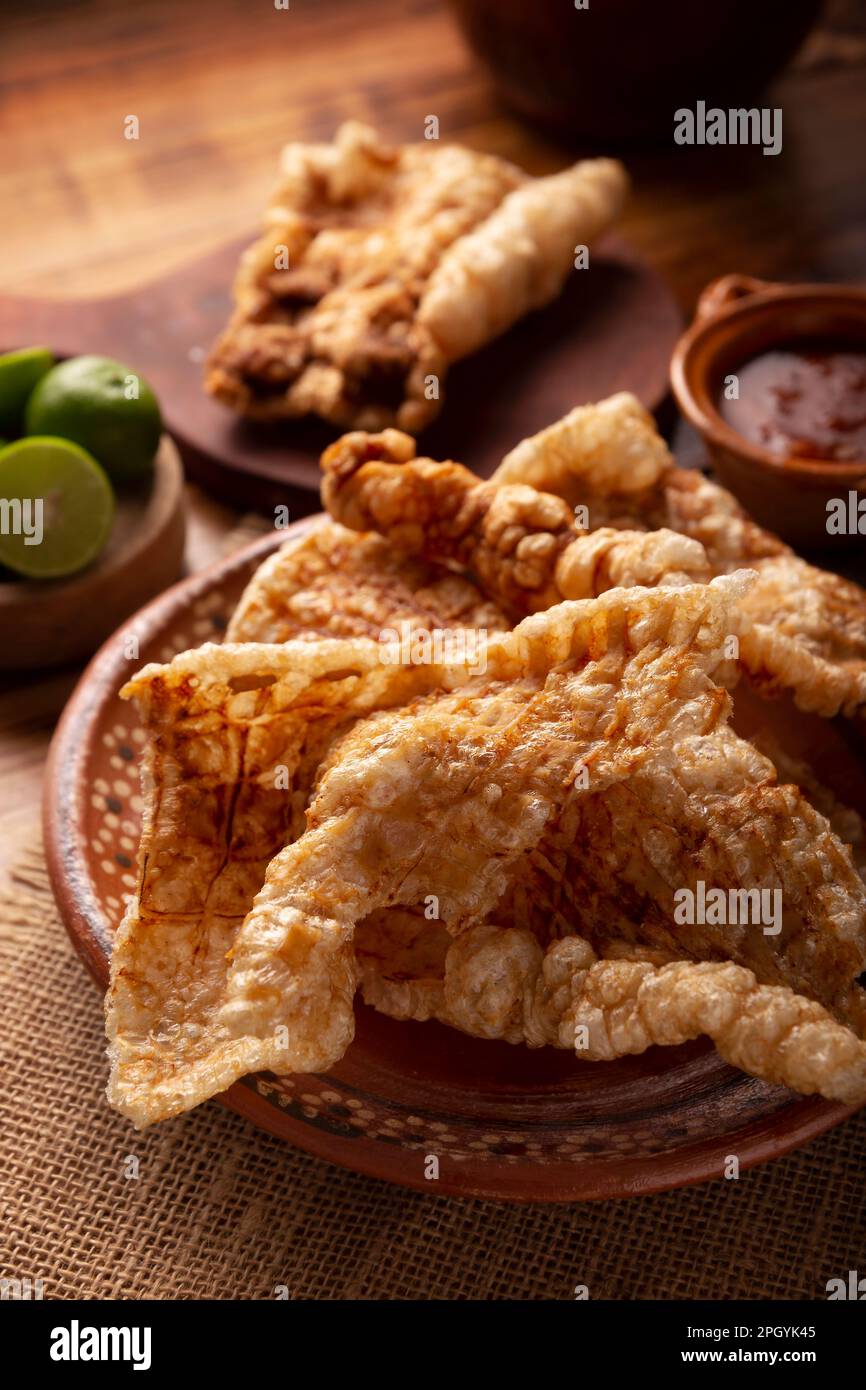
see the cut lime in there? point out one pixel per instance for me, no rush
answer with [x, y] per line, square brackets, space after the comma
[56, 508]
[19, 373]
[105, 407]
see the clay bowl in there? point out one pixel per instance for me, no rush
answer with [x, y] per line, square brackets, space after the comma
[619, 69]
[48, 622]
[503, 1121]
[738, 317]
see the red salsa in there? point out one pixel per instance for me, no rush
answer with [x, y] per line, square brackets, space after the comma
[804, 401]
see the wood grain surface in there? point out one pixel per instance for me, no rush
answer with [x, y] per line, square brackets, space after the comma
[218, 89]
[609, 330]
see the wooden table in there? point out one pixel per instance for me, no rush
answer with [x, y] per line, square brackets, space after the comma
[218, 89]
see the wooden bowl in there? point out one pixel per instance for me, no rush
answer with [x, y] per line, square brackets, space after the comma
[503, 1121]
[738, 317]
[48, 622]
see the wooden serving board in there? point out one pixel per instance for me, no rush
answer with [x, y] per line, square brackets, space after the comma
[612, 329]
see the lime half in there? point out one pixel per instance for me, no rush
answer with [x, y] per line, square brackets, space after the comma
[56, 508]
[19, 373]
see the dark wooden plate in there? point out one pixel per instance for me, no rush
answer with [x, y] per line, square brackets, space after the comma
[503, 1121]
[613, 329]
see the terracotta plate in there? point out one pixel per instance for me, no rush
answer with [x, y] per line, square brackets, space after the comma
[503, 1121]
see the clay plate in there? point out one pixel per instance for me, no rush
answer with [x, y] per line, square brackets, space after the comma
[503, 1121]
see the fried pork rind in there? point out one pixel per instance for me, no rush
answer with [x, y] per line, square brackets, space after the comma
[236, 736]
[688, 798]
[804, 629]
[337, 583]
[707, 812]
[844, 820]
[400, 260]
[608, 450]
[523, 546]
[499, 982]
[799, 627]
[332, 582]
[467, 787]
[517, 259]
[446, 795]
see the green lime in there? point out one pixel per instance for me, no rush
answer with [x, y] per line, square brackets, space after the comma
[105, 407]
[56, 508]
[19, 373]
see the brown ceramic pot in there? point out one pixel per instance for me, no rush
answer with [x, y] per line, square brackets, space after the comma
[738, 317]
[619, 69]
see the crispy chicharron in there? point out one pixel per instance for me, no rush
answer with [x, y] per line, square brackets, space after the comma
[805, 628]
[799, 627]
[523, 546]
[474, 788]
[333, 582]
[381, 265]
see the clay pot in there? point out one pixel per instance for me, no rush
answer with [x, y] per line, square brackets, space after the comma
[620, 68]
[738, 317]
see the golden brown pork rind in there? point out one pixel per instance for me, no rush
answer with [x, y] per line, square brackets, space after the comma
[473, 794]
[336, 583]
[386, 828]
[607, 450]
[524, 547]
[445, 796]
[847, 823]
[804, 629]
[518, 258]
[333, 582]
[458, 522]
[236, 737]
[400, 259]
[499, 982]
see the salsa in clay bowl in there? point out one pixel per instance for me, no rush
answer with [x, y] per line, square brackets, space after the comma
[774, 378]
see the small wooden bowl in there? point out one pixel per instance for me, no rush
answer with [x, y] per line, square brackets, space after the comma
[48, 622]
[738, 317]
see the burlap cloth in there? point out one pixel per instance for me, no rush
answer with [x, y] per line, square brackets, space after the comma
[220, 1210]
